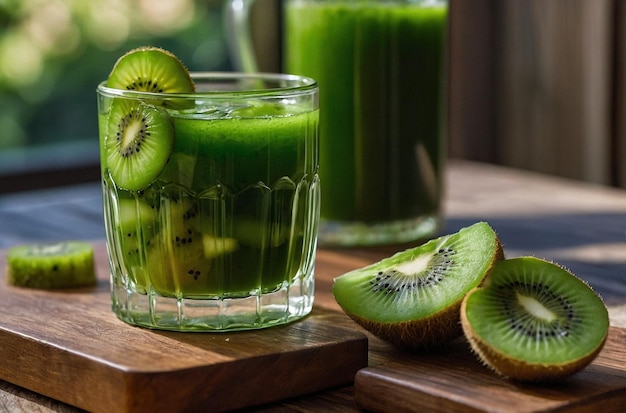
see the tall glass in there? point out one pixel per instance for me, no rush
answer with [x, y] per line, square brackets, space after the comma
[380, 65]
[224, 237]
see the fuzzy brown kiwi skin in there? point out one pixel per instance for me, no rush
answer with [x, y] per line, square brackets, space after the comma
[520, 370]
[429, 333]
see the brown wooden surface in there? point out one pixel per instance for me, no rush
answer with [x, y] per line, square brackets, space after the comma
[539, 85]
[579, 225]
[454, 381]
[63, 344]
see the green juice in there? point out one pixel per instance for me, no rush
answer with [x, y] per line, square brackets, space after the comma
[229, 216]
[380, 68]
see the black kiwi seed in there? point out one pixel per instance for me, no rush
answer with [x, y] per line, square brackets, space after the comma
[393, 281]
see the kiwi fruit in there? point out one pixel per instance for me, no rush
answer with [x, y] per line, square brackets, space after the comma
[150, 69]
[66, 264]
[139, 133]
[138, 145]
[534, 321]
[181, 258]
[136, 227]
[412, 299]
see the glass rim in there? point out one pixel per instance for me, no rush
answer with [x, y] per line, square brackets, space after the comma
[297, 85]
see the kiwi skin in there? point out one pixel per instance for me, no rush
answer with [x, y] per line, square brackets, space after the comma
[425, 333]
[518, 369]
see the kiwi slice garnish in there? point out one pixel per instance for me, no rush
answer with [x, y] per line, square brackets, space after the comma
[412, 299]
[66, 264]
[138, 144]
[150, 69]
[534, 321]
[139, 135]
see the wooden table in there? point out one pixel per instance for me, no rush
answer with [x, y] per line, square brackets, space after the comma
[579, 225]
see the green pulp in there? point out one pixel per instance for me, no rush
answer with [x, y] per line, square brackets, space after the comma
[380, 69]
[231, 213]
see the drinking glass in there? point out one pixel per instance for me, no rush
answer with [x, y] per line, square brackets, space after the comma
[380, 65]
[224, 237]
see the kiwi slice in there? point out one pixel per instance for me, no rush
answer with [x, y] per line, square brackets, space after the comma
[140, 134]
[65, 264]
[138, 144]
[136, 228]
[150, 69]
[412, 298]
[534, 321]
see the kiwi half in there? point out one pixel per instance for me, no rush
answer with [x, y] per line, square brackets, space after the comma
[58, 265]
[412, 299]
[533, 320]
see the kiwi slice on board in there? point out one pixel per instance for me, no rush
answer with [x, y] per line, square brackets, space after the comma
[412, 299]
[139, 142]
[150, 69]
[66, 264]
[534, 321]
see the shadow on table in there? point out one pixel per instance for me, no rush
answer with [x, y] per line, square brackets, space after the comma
[592, 246]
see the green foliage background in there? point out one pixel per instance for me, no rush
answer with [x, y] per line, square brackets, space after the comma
[53, 53]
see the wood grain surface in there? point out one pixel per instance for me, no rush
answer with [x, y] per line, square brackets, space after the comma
[452, 380]
[581, 226]
[66, 344]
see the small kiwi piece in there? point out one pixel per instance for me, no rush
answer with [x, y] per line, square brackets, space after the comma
[534, 321]
[59, 265]
[181, 257]
[150, 69]
[412, 299]
[136, 226]
[138, 145]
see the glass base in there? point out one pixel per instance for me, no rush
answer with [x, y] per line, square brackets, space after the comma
[287, 304]
[354, 234]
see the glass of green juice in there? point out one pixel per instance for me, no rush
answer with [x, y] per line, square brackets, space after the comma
[223, 236]
[380, 66]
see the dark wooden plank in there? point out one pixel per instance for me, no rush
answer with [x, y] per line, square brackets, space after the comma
[452, 380]
[65, 344]
[555, 84]
[618, 137]
[472, 74]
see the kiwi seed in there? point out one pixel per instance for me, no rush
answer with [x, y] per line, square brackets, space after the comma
[534, 321]
[412, 298]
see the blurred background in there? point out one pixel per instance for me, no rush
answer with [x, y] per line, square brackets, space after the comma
[534, 84]
[53, 53]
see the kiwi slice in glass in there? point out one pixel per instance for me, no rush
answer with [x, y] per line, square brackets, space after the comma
[533, 320]
[138, 145]
[139, 135]
[412, 299]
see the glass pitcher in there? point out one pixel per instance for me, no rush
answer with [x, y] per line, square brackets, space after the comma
[381, 68]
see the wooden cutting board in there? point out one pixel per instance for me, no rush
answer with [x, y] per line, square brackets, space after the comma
[68, 345]
[452, 380]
